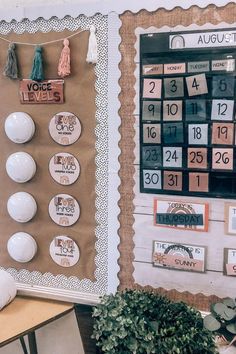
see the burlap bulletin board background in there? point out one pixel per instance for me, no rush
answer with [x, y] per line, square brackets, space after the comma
[130, 22]
[80, 95]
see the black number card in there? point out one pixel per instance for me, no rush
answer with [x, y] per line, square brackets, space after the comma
[187, 113]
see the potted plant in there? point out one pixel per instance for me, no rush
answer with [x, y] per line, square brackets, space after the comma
[222, 322]
[139, 322]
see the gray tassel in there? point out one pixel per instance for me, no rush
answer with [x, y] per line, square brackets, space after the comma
[11, 67]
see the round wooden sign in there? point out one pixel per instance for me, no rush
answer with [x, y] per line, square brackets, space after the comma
[65, 128]
[64, 210]
[64, 251]
[64, 168]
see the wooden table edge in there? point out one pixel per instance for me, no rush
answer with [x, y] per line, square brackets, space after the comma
[32, 329]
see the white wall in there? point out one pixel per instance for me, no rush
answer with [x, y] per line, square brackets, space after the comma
[25, 3]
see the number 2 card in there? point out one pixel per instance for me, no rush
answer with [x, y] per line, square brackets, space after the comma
[152, 88]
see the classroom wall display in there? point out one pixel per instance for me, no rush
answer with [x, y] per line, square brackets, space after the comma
[138, 231]
[55, 144]
[155, 178]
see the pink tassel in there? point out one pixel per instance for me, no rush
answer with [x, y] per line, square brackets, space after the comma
[64, 62]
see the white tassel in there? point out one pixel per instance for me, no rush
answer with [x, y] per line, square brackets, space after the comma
[92, 55]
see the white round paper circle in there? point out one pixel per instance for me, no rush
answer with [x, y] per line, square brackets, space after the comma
[64, 251]
[20, 167]
[64, 168]
[22, 247]
[19, 127]
[65, 128]
[64, 210]
[21, 206]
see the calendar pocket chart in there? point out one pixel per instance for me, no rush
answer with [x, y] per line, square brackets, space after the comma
[187, 117]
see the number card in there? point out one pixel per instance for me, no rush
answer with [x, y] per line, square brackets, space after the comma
[152, 179]
[179, 256]
[172, 156]
[151, 156]
[230, 219]
[195, 110]
[188, 114]
[173, 133]
[230, 261]
[222, 159]
[181, 215]
[173, 181]
[222, 86]
[172, 110]
[152, 88]
[197, 158]
[198, 134]
[151, 110]
[222, 110]
[198, 182]
[222, 133]
[152, 133]
[174, 87]
[197, 85]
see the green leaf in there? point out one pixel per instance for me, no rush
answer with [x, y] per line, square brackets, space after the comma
[155, 325]
[211, 323]
[219, 308]
[231, 328]
[229, 314]
[229, 302]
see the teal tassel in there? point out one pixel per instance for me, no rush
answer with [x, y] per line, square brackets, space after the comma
[37, 68]
[11, 67]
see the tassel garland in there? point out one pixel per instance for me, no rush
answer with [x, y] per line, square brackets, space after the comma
[11, 67]
[37, 68]
[92, 55]
[64, 62]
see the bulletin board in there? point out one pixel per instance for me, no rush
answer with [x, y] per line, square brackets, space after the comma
[85, 96]
[138, 231]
